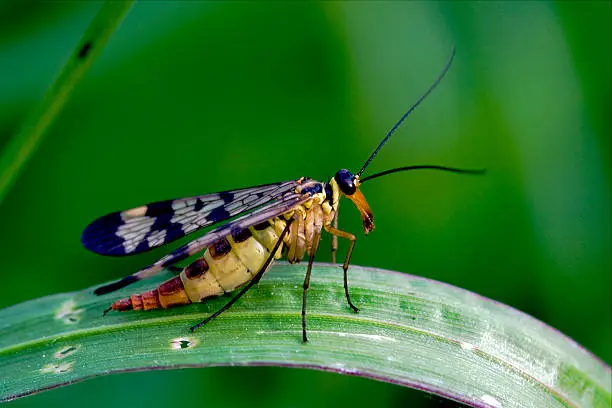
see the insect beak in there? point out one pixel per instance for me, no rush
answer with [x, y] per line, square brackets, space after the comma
[362, 205]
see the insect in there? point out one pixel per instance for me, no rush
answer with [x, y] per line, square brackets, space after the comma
[274, 219]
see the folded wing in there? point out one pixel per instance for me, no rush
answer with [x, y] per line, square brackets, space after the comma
[143, 228]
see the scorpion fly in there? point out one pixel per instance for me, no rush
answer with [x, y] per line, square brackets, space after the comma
[276, 219]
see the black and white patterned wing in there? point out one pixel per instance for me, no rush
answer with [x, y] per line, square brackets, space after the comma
[143, 228]
[283, 205]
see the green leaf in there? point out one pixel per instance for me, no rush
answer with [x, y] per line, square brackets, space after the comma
[24, 143]
[410, 331]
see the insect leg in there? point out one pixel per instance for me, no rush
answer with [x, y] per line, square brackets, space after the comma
[343, 234]
[313, 251]
[334, 239]
[252, 282]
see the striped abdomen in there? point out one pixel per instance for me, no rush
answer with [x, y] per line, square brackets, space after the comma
[225, 265]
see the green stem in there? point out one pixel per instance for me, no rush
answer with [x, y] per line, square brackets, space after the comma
[21, 147]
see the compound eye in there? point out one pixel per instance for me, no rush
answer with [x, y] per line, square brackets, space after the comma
[346, 181]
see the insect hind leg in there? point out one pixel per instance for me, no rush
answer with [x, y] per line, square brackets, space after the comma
[343, 234]
[252, 282]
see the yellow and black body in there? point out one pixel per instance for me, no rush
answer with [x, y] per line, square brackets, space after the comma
[239, 257]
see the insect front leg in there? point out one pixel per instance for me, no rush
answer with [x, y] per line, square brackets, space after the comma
[334, 238]
[343, 234]
[252, 282]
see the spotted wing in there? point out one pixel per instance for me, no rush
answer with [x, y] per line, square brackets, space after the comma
[143, 228]
[283, 205]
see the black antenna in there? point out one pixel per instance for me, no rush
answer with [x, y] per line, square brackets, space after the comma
[399, 122]
[421, 167]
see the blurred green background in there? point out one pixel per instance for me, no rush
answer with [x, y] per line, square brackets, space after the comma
[197, 97]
